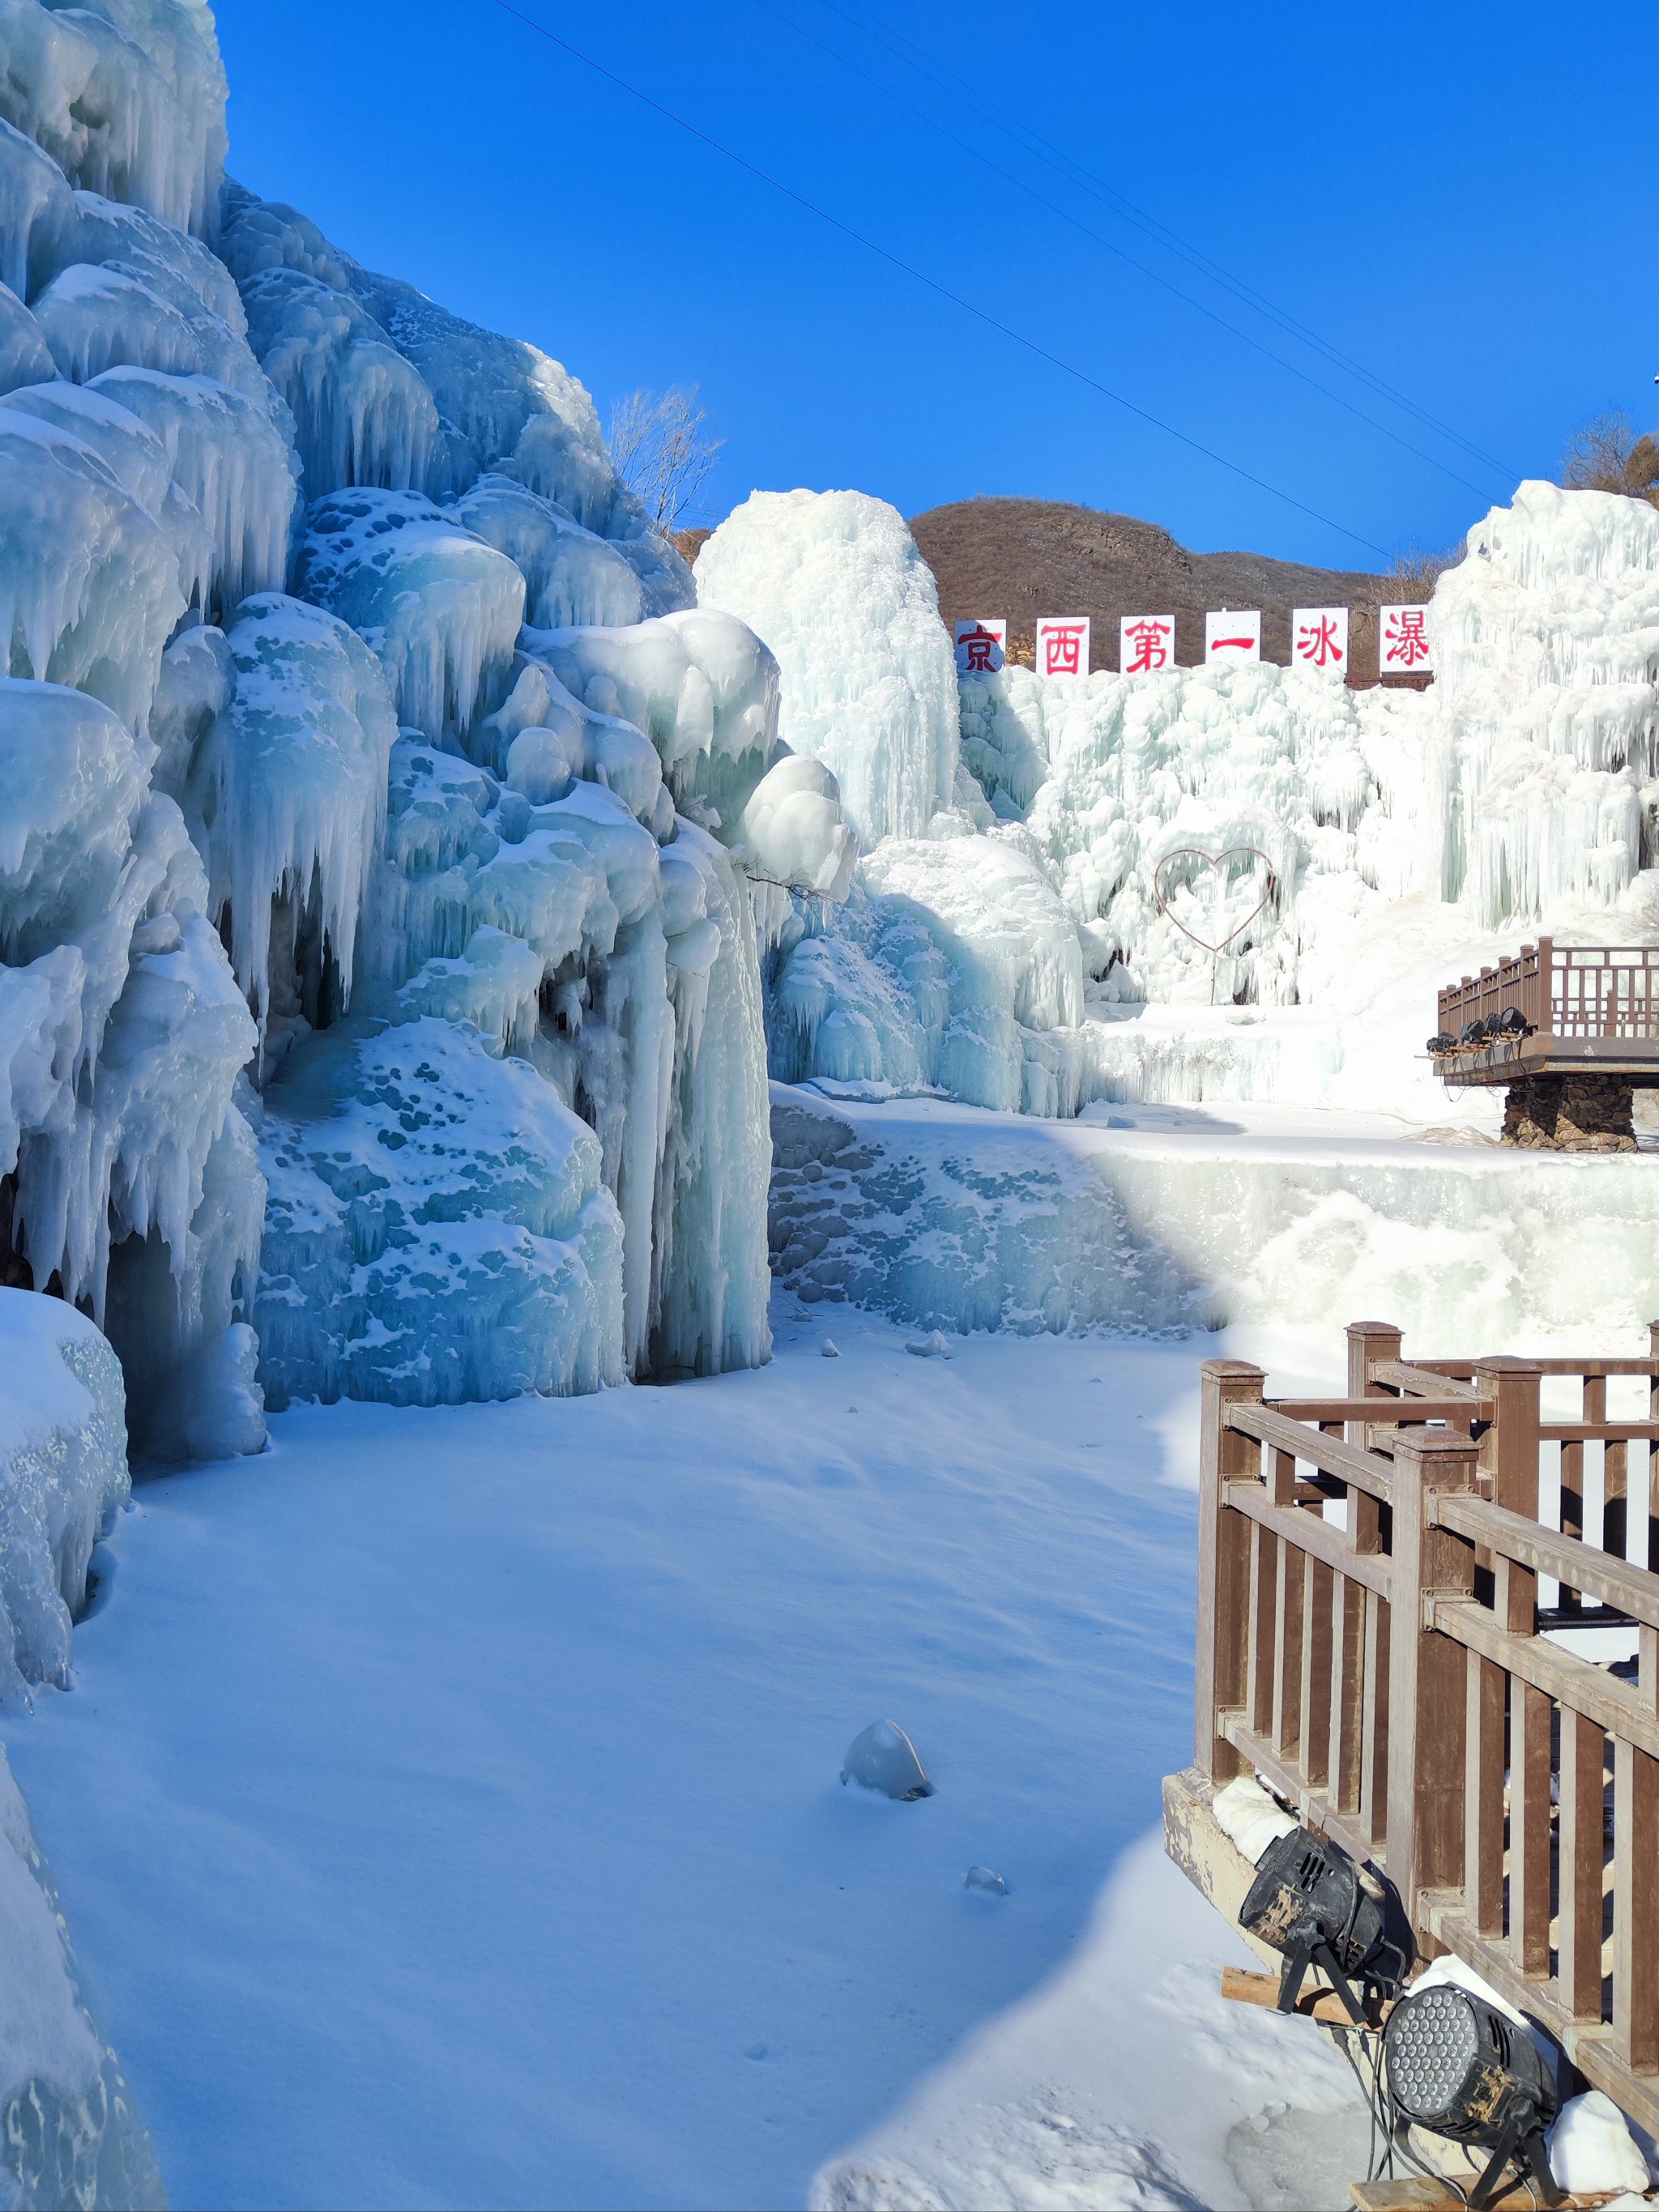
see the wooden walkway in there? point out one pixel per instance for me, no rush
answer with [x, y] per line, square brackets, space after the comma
[1376, 1584]
[1584, 1009]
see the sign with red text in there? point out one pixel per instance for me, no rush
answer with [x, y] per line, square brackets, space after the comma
[981, 645]
[1402, 641]
[1319, 639]
[1145, 643]
[1233, 636]
[1062, 645]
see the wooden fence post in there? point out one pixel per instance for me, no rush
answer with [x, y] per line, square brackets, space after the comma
[1369, 1343]
[1426, 1671]
[1224, 1562]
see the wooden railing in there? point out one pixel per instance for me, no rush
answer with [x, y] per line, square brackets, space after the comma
[1371, 1640]
[1564, 990]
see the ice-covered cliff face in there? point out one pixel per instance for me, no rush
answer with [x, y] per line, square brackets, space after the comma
[378, 808]
[1402, 838]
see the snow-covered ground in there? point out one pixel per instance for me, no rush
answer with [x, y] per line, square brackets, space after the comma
[446, 1803]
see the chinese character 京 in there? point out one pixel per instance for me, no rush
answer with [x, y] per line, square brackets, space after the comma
[981, 645]
[978, 645]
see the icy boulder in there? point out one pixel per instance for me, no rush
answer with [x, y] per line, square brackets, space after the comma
[437, 1230]
[440, 607]
[571, 575]
[793, 829]
[63, 1478]
[955, 966]
[89, 581]
[833, 584]
[25, 356]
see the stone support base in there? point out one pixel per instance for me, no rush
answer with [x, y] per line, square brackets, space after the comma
[1570, 1114]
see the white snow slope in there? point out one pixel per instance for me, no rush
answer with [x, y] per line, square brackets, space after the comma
[421, 1868]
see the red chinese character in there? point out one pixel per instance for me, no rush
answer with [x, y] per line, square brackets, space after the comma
[1151, 650]
[980, 644]
[1404, 641]
[1316, 642]
[1061, 647]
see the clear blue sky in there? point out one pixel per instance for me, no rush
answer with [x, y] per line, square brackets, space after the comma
[1459, 198]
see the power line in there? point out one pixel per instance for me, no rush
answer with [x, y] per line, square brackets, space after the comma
[944, 291]
[1152, 276]
[1057, 158]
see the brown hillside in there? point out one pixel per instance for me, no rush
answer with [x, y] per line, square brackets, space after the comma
[1026, 558]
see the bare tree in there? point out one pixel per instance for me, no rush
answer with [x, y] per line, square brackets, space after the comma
[1606, 455]
[663, 450]
[1412, 574]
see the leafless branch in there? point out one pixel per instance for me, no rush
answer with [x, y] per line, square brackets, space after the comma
[1606, 455]
[661, 447]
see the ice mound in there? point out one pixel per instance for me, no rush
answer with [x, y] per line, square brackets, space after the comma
[436, 1229]
[834, 583]
[956, 967]
[69, 2129]
[63, 1478]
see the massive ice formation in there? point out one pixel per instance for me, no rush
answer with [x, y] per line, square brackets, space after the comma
[482, 1000]
[834, 583]
[1390, 840]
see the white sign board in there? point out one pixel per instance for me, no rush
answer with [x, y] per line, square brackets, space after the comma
[1319, 639]
[1402, 641]
[1233, 636]
[1145, 642]
[981, 645]
[1062, 645]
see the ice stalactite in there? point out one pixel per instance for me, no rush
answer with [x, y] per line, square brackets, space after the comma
[288, 792]
[440, 607]
[571, 577]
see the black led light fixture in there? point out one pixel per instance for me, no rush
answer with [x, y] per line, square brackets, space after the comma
[1459, 2068]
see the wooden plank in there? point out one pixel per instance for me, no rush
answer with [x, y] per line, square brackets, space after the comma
[1582, 1836]
[1347, 1691]
[1224, 1558]
[1240, 1986]
[1635, 1908]
[1376, 1410]
[1264, 1575]
[1483, 1793]
[1574, 1434]
[1329, 1453]
[1529, 1829]
[1420, 1381]
[1286, 1777]
[1417, 2193]
[1634, 1590]
[1301, 1526]
[1374, 1744]
[1615, 1498]
[1590, 2048]
[1574, 1682]
[1287, 1668]
[1316, 1730]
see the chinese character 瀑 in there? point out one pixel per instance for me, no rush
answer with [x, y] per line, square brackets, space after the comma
[1405, 637]
[1148, 642]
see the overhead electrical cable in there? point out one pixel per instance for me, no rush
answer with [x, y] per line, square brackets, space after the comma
[944, 291]
[1110, 246]
[1065, 165]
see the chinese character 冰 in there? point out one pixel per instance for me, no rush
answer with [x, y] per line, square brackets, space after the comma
[1317, 643]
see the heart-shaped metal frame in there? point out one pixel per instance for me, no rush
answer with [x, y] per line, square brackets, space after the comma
[1215, 861]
